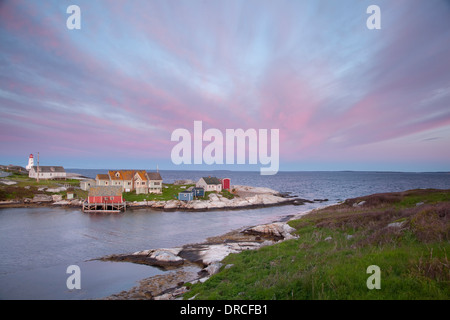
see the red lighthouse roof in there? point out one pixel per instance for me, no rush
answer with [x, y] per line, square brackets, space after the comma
[31, 156]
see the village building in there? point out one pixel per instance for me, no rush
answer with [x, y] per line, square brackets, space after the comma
[102, 180]
[198, 192]
[123, 178]
[47, 172]
[209, 184]
[105, 195]
[155, 182]
[226, 184]
[185, 195]
[104, 199]
[140, 181]
[87, 184]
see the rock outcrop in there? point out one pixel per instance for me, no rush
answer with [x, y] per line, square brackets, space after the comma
[41, 198]
[163, 258]
[245, 197]
[277, 230]
[207, 256]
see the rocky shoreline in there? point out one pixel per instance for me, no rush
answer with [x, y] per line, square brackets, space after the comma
[246, 197]
[192, 263]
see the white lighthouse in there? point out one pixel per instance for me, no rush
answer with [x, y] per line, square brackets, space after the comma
[30, 162]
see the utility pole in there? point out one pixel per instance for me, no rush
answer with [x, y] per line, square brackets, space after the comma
[37, 178]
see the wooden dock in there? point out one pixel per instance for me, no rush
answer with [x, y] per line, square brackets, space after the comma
[104, 207]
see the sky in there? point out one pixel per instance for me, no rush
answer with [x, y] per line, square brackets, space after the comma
[110, 94]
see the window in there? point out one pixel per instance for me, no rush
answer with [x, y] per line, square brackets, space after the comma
[157, 183]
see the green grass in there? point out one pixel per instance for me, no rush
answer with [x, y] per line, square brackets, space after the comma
[413, 259]
[169, 192]
[27, 187]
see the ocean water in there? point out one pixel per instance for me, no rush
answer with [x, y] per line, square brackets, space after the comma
[38, 244]
[335, 186]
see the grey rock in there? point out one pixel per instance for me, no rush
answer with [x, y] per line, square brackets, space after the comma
[276, 229]
[166, 296]
[42, 198]
[56, 190]
[56, 197]
[213, 268]
[180, 291]
[359, 204]
[395, 224]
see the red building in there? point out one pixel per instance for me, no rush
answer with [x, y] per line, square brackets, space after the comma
[105, 195]
[226, 184]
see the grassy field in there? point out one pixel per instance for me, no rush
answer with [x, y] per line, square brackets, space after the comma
[336, 245]
[27, 187]
[169, 192]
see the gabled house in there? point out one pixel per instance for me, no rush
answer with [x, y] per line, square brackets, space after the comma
[124, 178]
[141, 182]
[105, 195]
[104, 199]
[209, 184]
[102, 180]
[154, 182]
[132, 180]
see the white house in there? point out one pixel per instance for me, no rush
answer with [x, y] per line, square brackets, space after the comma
[209, 184]
[47, 172]
[154, 182]
[132, 180]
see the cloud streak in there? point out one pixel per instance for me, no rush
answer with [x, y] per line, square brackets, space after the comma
[134, 73]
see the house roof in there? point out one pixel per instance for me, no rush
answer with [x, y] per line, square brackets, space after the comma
[105, 191]
[141, 175]
[212, 180]
[49, 169]
[115, 175]
[126, 174]
[102, 176]
[154, 176]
